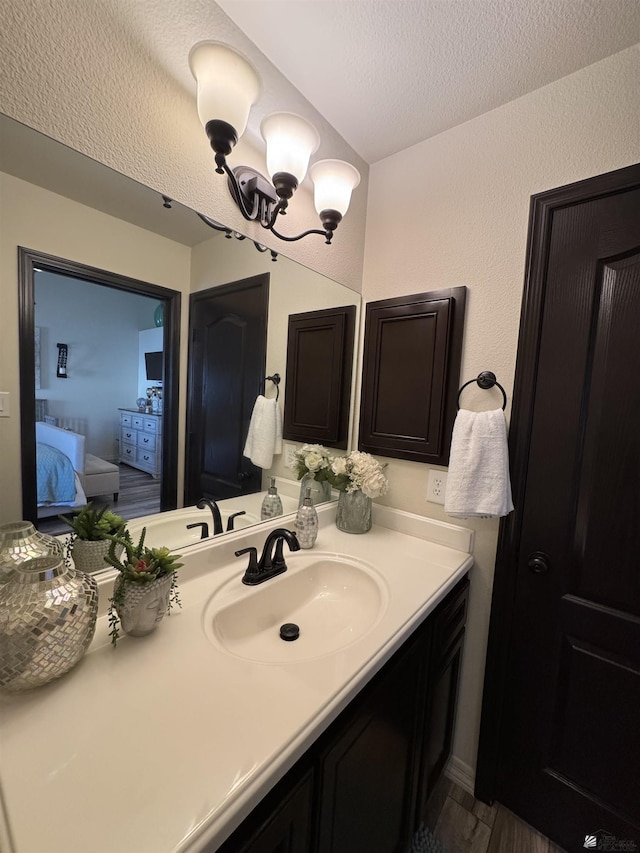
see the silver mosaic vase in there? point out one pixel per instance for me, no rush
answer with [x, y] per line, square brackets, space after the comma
[48, 617]
[320, 491]
[20, 541]
[141, 606]
[354, 512]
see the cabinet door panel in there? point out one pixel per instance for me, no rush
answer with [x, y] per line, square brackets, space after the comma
[367, 773]
[280, 824]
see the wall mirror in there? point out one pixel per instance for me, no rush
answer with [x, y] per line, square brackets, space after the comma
[92, 215]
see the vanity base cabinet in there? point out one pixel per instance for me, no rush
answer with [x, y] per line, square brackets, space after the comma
[448, 627]
[366, 775]
[282, 821]
[364, 784]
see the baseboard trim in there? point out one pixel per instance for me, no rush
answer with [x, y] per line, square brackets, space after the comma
[460, 773]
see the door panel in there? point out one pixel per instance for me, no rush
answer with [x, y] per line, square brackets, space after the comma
[569, 749]
[227, 357]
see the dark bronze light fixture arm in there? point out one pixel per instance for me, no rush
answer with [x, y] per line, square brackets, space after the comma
[326, 234]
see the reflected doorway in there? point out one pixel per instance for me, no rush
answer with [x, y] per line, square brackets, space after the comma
[227, 358]
[94, 382]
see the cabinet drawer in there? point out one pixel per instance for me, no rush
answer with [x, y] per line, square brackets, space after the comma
[128, 436]
[127, 451]
[137, 421]
[146, 459]
[125, 420]
[146, 441]
[150, 425]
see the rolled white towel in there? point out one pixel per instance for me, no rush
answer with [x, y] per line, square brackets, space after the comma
[264, 438]
[478, 482]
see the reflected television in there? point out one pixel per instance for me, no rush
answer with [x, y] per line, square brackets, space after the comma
[153, 363]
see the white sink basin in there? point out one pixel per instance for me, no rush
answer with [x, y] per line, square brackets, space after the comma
[333, 599]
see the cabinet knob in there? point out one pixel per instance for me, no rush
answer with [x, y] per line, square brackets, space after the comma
[242, 476]
[538, 562]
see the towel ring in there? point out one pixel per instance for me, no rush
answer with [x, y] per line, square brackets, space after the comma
[485, 380]
[276, 381]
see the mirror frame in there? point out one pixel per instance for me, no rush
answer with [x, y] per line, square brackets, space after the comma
[28, 261]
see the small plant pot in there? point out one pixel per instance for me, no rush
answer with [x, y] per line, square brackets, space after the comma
[320, 491]
[89, 556]
[354, 513]
[141, 606]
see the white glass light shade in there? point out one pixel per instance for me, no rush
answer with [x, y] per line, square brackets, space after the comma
[334, 181]
[291, 141]
[228, 85]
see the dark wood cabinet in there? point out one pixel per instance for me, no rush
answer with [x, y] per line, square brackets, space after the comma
[364, 784]
[319, 364]
[411, 372]
[448, 627]
[367, 771]
[281, 823]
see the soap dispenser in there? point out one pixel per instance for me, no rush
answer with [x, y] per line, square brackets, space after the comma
[307, 522]
[271, 505]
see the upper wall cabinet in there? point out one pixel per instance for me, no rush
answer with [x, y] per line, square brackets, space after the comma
[319, 364]
[411, 371]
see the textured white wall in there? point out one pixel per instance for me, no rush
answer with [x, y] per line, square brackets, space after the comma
[71, 70]
[462, 220]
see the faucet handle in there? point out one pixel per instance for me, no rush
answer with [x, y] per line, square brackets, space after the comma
[252, 568]
[232, 517]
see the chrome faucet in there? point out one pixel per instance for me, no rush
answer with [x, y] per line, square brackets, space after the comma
[215, 512]
[270, 564]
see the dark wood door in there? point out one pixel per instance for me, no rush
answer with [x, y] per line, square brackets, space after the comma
[569, 750]
[227, 357]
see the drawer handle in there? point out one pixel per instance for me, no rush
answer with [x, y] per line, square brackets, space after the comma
[128, 451]
[129, 435]
[146, 440]
[146, 458]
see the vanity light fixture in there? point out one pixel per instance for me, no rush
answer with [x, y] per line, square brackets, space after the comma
[167, 202]
[228, 86]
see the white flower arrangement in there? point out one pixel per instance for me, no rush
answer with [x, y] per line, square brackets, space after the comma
[359, 471]
[312, 459]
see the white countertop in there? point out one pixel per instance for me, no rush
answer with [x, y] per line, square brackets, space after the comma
[167, 741]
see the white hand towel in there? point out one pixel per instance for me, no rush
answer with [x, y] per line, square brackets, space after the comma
[478, 483]
[264, 439]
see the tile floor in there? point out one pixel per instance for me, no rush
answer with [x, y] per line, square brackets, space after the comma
[466, 825]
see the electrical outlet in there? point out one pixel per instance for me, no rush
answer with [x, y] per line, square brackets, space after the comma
[436, 486]
[289, 451]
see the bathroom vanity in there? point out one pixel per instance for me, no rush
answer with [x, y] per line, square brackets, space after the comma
[365, 784]
[213, 733]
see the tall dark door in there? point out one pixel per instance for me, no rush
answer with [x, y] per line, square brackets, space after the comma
[569, 561]
[227, 357]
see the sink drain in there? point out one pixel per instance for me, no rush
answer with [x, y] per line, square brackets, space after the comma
[289, 631]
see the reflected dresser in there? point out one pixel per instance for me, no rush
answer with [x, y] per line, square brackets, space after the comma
[141, 441]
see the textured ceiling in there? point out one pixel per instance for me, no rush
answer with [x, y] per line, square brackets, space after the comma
[389, 73]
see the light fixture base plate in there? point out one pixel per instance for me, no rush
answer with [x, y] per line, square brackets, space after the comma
[251, 182]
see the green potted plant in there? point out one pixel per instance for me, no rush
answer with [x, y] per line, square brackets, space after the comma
[146, 587]
[91, 528]
[312, 465]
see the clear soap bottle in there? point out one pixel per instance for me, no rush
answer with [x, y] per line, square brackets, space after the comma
[307, 522]
[271, 505]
